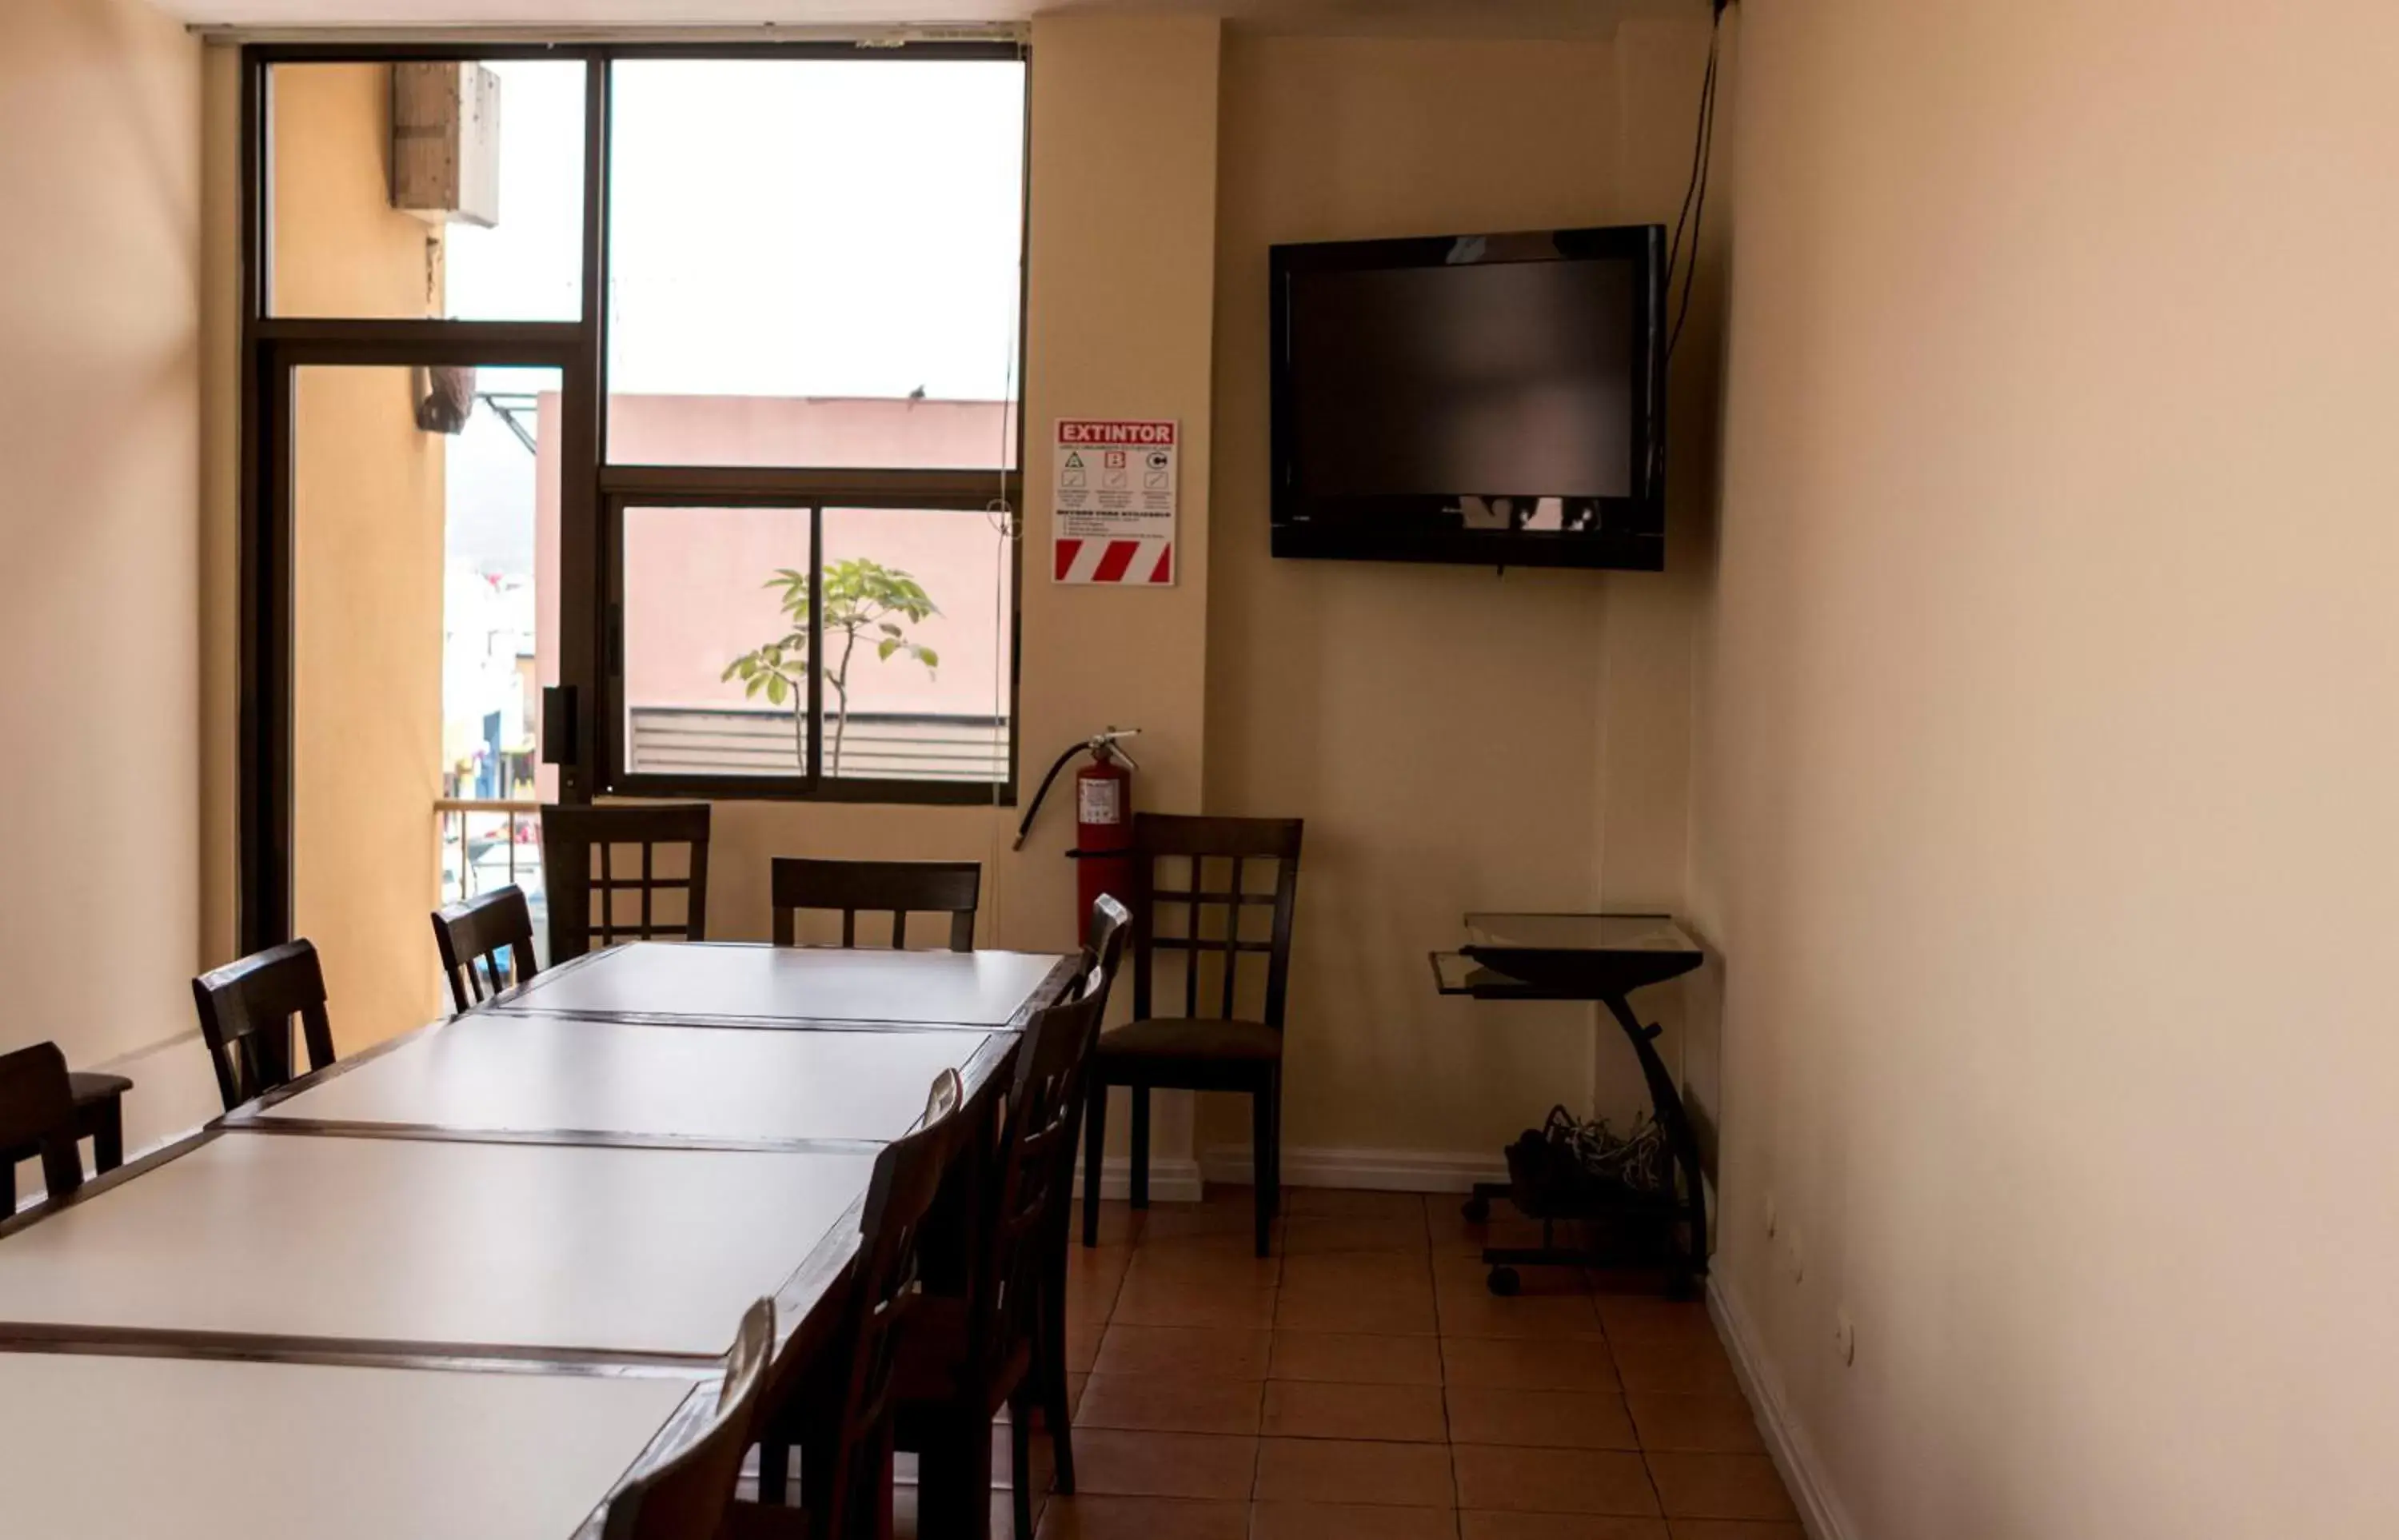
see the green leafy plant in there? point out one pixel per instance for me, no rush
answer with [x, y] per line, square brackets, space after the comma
[863, 602]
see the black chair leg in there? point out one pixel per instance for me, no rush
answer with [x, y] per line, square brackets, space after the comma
[953, 1483]
[1140, 1151]
[1059, 1418]
[1095, 1145]
[1262, 1165]
[1274, 1142]
[774, 1473]
[1020, 1462]
[108, 1137]
[1049, 1372]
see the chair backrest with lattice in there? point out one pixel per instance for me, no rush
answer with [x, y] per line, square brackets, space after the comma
[897, 888]
[631, 872]
[1175, 909]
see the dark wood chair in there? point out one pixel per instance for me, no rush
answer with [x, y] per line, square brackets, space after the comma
[897, 888]
[37, 1118]
[246, 1010]
[589, 907]
[1002, 1343]
[838, 1411]
[99, 1115]
[1206, 1047]
[687, 1495]
[483, 929]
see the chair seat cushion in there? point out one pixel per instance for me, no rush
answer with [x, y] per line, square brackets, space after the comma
[1185, 1038]
[87, 1086]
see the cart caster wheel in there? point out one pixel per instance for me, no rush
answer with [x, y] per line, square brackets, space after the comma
[1504, 1282]
[1477, 1210]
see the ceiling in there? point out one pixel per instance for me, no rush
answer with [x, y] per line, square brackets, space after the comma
[1444, 17]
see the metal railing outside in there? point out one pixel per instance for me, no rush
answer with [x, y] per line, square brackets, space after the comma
[489, 842]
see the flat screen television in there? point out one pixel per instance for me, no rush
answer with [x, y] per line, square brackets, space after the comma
[1495, 400]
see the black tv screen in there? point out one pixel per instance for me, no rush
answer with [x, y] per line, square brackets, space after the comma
[1484, 399]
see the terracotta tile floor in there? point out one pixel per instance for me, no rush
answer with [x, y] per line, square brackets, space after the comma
[1362, 1381]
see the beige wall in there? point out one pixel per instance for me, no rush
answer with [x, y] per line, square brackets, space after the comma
[367, 534]
[98, 606]
[2050, 747]
[1456, 739]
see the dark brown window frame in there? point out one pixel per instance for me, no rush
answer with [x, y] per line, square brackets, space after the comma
[592, 492]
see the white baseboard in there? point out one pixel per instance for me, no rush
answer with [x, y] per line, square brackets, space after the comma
[1171, 1180]
[1180, 1181]
[1383, 1171]
[1820, 1512]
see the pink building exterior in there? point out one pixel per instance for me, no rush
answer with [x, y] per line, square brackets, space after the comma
[694, 580]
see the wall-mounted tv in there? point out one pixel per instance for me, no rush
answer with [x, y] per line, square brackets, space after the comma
[1495, 400]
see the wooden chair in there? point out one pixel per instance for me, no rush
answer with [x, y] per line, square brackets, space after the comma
[687, 1495]
[479, 930]
[1204, 1049]
[37, 1116]
[584, 905]
[1003, 1343]
[899, 889]
[246, 1010]
[98, 1101]
[839, 1411]
[100, 1114]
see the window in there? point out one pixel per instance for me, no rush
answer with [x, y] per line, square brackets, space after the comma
[814, 275]
[657, 408]
[814, 263]
[907, 608]
[426, 189]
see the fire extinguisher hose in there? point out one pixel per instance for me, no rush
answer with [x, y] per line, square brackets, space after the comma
[1024, 827]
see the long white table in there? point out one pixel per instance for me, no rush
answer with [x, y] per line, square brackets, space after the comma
[735, 984]
[461, 1284]
[432, 1247]
[569, 1079]
[112, 1448]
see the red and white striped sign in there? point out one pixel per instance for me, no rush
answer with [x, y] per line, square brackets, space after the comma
[1114, 560]
[1113, 491]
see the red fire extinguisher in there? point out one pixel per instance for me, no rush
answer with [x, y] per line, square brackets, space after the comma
[1103, 819]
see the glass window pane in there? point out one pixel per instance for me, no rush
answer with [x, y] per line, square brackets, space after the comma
[705, 599]
[918, 630]
[815, 263]
[489, 158]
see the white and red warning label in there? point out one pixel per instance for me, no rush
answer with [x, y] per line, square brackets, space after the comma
[1113, 499]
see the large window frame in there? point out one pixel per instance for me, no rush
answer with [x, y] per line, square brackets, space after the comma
[590, 751]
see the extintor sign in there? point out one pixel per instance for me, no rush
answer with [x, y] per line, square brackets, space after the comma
[1113, 502]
